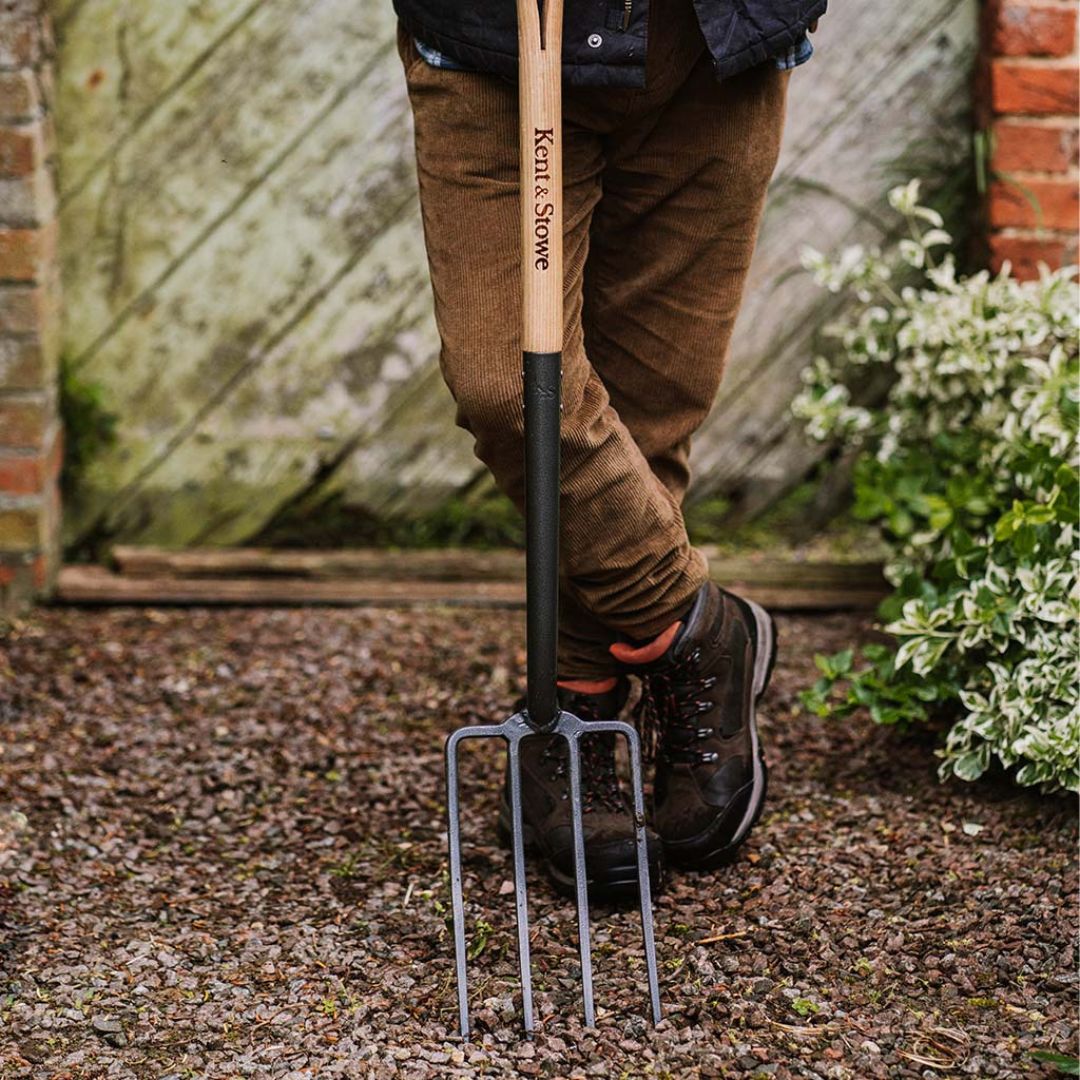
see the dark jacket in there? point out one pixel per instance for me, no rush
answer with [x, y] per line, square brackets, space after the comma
[604, 40]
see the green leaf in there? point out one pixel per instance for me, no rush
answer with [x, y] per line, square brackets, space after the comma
[940, 514]
[901, 523]
[966, 467]
[1066, 1064]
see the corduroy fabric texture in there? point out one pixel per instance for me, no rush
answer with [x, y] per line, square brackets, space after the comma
[664, 188]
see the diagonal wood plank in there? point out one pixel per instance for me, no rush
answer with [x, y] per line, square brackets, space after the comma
[852, 132]
[106, 94]
[214, 145]
[255, 319]
[337, 220]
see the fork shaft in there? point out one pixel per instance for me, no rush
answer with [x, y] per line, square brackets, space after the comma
[542, 410]
[540, 107]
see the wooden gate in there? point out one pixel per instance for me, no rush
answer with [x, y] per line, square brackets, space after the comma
[244, 274]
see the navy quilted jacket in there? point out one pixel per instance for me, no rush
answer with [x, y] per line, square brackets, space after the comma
[604, 40]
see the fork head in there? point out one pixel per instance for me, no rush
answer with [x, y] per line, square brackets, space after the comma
[569, 727]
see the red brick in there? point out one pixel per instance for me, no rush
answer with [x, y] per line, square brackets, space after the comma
[31, 309]
[21, 528]
[1025, 253]
[1035, 89]
[21, 308]
[22, 41]
[31, 473]
[20, 98]
[23, 424]
[1035, 204]
[21, 475]
[27, 200]
[29, 363]
[22, 149]
[27, 254]
[41, 572]
[1034, 30]
[1033, 148]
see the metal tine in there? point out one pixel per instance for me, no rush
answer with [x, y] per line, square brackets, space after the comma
[520, 895]
[633, 745]
[580, 871]
[513, 731]
[457, 901]
[453, 815]
[644, 888]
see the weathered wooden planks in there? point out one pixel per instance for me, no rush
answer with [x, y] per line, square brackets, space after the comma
[360, 563]
[356, 578]
[118, 71]
[890, 100]
[454, 564]
[244, 268]
[96, 585]
[300, 262]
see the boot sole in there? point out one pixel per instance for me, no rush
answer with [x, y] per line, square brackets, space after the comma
[622, 886]
[684, 853]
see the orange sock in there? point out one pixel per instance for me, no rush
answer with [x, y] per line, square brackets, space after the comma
[588, 686]
[653, 650]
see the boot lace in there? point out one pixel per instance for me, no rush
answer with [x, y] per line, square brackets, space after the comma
[599, 781]
[668, 713]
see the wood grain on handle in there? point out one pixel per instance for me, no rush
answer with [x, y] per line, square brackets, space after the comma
[540, 83]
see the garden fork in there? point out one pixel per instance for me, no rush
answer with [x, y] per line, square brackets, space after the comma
[539, 66]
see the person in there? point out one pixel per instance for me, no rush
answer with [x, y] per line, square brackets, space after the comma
[673, 111]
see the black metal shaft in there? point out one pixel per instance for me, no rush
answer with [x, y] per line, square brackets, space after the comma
[543, 395]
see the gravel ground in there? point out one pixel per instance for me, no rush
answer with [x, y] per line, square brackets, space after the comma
[222, 855]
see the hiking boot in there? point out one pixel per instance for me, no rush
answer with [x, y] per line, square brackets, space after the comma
[701, 682]
[607, 811]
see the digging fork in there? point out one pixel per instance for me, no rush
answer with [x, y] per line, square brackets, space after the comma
[539, 66]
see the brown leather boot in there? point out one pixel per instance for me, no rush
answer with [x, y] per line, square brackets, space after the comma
[701, 682]
[607, 812]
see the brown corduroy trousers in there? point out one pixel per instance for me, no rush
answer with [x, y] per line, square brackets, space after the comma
[664, 189]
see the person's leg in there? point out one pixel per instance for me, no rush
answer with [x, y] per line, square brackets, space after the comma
[467, 156]
[467, 159]
[671, 243]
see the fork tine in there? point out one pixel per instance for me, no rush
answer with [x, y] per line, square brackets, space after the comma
[520, 895]
[644, 888]
[571, 728]
[581, 877]
[457, 902]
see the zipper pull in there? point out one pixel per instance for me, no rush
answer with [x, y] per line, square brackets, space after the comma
[628, 6]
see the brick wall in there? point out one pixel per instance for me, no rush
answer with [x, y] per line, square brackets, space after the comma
[30, 438]
[1029, 104]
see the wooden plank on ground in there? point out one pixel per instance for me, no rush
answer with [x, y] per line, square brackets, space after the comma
[365, 578]
[459, 564]
[442, 564]
[97, 585]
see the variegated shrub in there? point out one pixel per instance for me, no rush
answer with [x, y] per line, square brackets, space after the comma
[969, 468]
